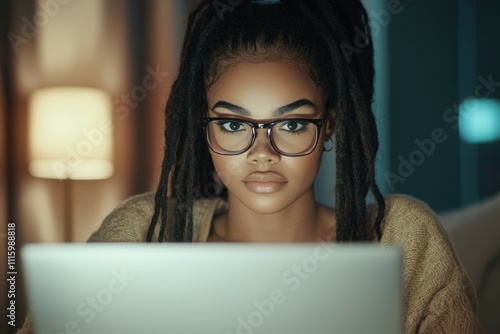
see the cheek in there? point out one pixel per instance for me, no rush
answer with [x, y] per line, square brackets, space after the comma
[227, 167]
[304, 169]
[307, 167]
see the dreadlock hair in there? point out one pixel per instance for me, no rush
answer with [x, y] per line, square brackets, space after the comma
[323, 37]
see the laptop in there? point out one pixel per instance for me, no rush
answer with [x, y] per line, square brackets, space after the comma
[214, 288]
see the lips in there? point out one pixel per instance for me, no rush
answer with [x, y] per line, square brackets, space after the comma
[265, 182]
[265, 177]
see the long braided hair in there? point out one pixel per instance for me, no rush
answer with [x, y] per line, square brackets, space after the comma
[323, 36]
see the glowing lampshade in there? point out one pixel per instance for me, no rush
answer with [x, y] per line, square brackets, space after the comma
[70, 133]
[480, 120]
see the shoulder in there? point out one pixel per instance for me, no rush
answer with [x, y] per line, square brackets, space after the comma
[412, 225]
[138, 204]
[128, 222]
[405, 215]
[438, 293]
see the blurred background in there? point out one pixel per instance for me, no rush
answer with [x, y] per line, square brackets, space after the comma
[437, 105]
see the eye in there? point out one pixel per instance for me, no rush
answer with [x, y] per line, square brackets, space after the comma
[231, 126]
[292, 125]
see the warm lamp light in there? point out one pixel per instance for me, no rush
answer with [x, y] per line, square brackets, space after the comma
[70, 138]
[70, 133]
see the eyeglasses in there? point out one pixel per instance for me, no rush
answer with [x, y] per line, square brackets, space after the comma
[290, 137]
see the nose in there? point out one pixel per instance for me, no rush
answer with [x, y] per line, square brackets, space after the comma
[262, 151]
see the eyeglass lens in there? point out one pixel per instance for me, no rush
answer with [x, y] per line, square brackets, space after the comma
[289, 136]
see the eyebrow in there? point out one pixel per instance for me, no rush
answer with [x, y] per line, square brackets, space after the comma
[276, 112]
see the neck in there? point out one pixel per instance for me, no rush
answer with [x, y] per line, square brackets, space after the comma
[301, 221]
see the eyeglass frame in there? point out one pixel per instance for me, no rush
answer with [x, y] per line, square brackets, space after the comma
[268, 126]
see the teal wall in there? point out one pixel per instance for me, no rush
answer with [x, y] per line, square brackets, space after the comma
[488, 63]
[438, 53]
[423, 81]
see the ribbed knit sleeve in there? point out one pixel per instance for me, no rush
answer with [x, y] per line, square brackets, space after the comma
[439, 297]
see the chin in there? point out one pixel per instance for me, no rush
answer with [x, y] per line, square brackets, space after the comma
[266, 204]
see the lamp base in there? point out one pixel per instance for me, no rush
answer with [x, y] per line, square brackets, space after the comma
[68, 212]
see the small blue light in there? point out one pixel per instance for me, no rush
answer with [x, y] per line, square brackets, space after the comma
[479, 120]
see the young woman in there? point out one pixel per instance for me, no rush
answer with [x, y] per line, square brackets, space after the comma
[262, 88]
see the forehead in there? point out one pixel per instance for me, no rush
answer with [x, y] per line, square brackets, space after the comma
[262, 87]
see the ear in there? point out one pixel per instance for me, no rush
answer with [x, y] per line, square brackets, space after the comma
[330, 124]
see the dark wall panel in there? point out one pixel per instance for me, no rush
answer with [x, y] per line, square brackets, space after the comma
[423, 101]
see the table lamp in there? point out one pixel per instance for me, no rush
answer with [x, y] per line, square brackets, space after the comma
[70, 138]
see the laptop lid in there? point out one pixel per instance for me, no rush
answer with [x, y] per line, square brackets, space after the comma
[214, 288]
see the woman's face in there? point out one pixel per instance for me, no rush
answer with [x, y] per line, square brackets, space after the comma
[263, 180]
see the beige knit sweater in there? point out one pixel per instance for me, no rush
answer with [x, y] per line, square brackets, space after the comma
[439, 297]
